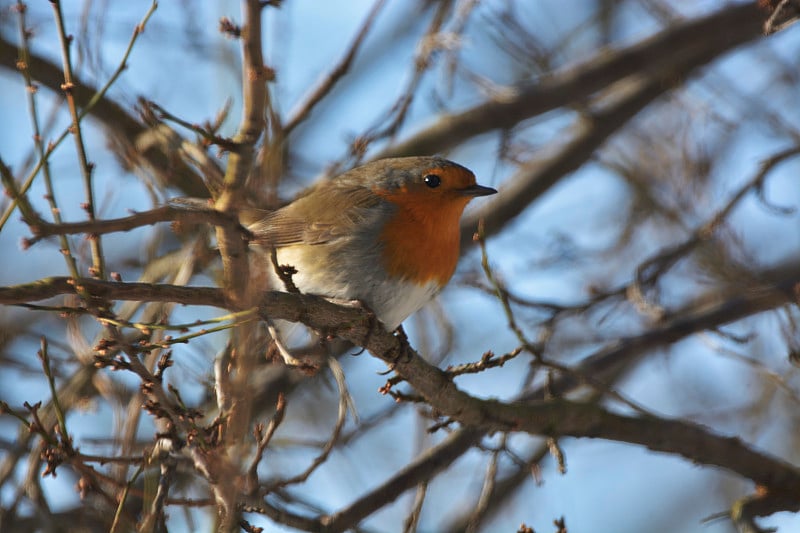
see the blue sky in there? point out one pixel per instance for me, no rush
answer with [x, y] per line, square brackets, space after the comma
[191, 70]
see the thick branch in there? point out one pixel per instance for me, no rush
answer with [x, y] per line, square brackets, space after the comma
[605, 366]
[254, 96]
[537, 176]
[674, 53]
[118, 122]
[551, 417]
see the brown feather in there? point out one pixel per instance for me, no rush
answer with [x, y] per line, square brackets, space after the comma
[313, 219]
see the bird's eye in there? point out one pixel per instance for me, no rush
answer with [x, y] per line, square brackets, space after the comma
[432, 180]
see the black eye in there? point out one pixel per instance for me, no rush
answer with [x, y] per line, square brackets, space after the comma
[432, 180]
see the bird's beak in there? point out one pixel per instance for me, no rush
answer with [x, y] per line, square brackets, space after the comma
[477, 190]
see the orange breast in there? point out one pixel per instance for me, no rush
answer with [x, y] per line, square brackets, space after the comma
[421, 240]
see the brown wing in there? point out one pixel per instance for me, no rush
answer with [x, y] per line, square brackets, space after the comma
[323, 215]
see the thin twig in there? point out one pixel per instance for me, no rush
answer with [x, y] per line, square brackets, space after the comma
[31, 92]
[672, 53]
[329, 81]
[86, 168]
[344, 402]
[93, 101]
[265, 437]
[412, 520]
[44, 356]
[423, 61]
[487, 490]
[488, 360]
[124, 497]
[208, 136]
[652, 268]
[175, 212]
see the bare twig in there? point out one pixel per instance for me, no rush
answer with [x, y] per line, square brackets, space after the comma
[205, 134]
[44, 356]
[27, 213]
[412, 520]
[423, 61]
[123, 498]
[168, 213]
[648, 271]
[263, 439]
[488, 488]
[303, 109]
[675, 52]
[782, 13]
[344, 403]
[75, 89]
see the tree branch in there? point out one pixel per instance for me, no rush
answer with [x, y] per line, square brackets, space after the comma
[121, 126]
[673, 53]
[535, 416]
[538, 175]
[167, 213]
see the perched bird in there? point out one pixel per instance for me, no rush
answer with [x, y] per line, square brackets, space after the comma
[385, 233]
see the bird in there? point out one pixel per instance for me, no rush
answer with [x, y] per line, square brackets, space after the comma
[385, 234]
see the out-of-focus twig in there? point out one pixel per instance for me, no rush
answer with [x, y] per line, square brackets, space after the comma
[177, 212]
[672, 54]
[303, 109]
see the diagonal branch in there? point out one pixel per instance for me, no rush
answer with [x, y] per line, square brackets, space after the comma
[673, 53]
[535, 416]
[122, 127]
[537, 176]
[326, 84]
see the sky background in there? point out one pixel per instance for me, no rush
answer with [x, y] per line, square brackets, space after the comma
[551, 252]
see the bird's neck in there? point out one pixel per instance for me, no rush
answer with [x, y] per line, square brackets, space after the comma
[421, 240]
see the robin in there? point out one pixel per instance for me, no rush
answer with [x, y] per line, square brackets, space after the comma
[385, 233]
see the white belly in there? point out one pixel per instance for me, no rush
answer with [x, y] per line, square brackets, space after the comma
[391, 300]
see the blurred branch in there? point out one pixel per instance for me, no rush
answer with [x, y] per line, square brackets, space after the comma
[553, 417]
[423, 468]
[255, 76]
[86, 168]
[782, 13]
[483, 505]
[344, 402]
[152, 292]
[504, 488]
[207, 135]
[29, 215]
[707, 312]
[673, 54]
[682, 438]
[167, 213]
[121, 126]
[411, 523]
[537, 176]
[329, 81]
[649, 270]
[603, 95]
[297, 308]
[263, 438]
[428, 45]
[235, 267]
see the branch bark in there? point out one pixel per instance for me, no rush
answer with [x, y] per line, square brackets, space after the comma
[122, 127]
[673, 53]
[532, 415]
